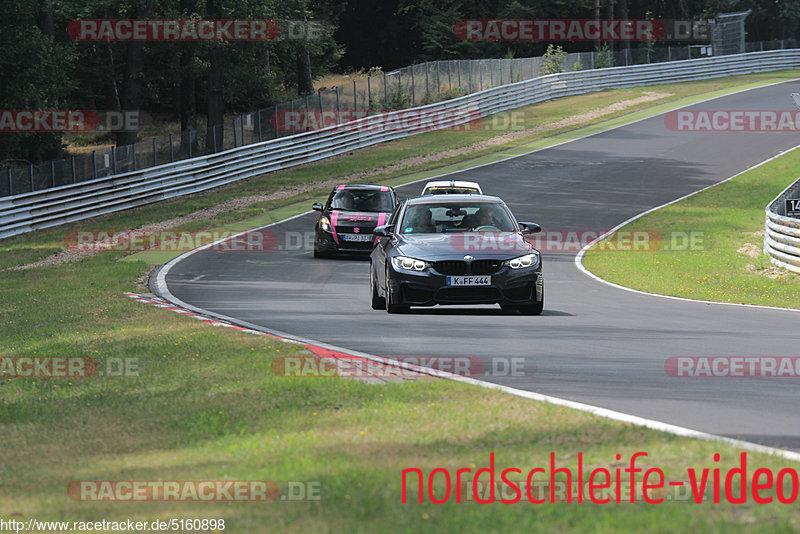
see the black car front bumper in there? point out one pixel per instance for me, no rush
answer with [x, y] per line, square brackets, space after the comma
[325, 243]
[512, 287]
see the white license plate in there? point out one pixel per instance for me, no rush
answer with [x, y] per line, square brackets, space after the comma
[357, 237]
[469, 280]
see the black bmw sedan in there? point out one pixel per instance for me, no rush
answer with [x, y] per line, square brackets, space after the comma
[456, 249]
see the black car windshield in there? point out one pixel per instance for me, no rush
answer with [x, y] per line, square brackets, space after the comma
[456, 217]
[362, 200]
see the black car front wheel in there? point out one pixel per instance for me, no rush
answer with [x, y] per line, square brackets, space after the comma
[535, 308]
[392, 307]
[319, 253]
[378, 302]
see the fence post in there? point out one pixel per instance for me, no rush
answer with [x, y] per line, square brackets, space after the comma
[214, 137]
[413, 89]
[469, 74]
[338, 111]
[10, 190]
[94, 165]
[449, 77]
[321, 113]
[171, 150]
[74, 179]
[30, 175]
[258, 122]
[369, 94]
[427, 81]
[134, 155]
[480, 77]
[189, 136]
[399, 86]
[438, 79]
[669, 53]
[355, 97]
[241, 118]
[385, 93]
[53, 172]
[113, 160]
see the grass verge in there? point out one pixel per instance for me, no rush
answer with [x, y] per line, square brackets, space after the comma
[712, 246]
[206, 406]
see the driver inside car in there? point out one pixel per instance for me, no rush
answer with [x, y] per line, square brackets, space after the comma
[482, 217]
[420, 222]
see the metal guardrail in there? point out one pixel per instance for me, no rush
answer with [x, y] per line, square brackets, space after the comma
[782, 233]
[55, 206]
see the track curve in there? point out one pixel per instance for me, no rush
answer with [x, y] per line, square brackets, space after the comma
[594, 343]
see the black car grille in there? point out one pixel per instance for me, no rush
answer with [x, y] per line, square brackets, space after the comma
[458, 267]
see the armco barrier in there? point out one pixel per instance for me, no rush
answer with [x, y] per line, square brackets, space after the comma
[51, 207]
[781, 233]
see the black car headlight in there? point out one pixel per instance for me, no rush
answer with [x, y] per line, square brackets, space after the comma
[325, 224]
[523, 262]
[409, 264]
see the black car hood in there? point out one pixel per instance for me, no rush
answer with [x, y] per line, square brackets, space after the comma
[456, 245]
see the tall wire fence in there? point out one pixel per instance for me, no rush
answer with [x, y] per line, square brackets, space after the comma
[416, 85]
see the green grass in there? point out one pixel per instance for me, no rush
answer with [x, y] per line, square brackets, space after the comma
[725, 218]
[206, 404]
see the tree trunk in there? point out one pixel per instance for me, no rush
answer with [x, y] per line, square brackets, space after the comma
[216, 116]
[623, 9]
[215, 130]
[131, 96]
[187, 98]
[305, 83]
[611, 17]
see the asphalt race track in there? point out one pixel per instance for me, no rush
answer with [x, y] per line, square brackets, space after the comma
[594, 343]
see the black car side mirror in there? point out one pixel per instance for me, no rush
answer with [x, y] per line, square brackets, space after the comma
[530, 228]
[383, 231]
[316, 206]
